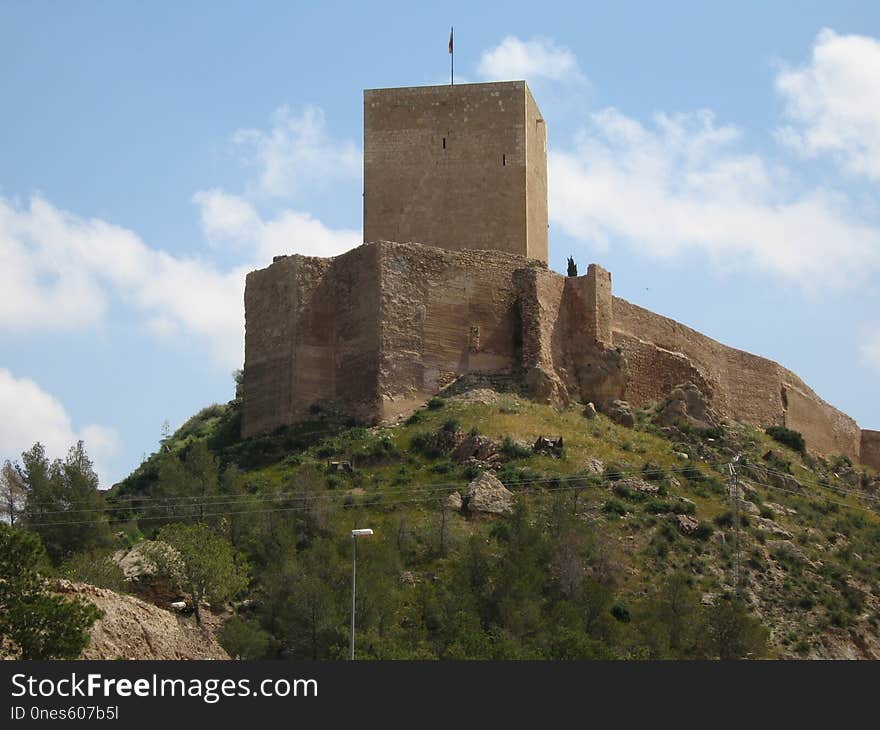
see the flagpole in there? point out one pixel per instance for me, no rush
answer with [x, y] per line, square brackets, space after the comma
[451, 58]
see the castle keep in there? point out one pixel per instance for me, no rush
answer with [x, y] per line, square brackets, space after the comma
[452, 279]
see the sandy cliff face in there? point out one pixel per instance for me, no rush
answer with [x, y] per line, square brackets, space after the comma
[133, 629]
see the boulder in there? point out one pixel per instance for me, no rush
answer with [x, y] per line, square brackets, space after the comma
[620, 412]
[594, 466]
[686, 523]
[774, 529]
[590, 411]
[454, 501]
[474, 446]
[487, 495]
[638, 485]
[686, 403]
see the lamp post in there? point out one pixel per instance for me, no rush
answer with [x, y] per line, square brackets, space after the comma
[355, 534]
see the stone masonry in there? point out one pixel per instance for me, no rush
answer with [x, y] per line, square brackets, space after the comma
[380, 329]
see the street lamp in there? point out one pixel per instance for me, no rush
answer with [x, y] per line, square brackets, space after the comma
[355, 534]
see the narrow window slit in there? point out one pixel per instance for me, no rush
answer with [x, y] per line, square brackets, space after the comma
[504, 160]
[444, 143]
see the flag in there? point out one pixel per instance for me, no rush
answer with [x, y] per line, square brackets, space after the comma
[450, 40]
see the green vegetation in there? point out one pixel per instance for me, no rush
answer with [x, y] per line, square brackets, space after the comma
[618, 546]
[785, 436]
[36, 623]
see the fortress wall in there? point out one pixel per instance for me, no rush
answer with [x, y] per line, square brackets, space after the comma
[742, 386]
[311, 335]
[443, 313]
[870, 448]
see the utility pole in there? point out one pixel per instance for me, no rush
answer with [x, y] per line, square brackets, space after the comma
[355, 534]
[733, 486]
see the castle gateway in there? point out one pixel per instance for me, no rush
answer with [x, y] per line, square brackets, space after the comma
[452, 279]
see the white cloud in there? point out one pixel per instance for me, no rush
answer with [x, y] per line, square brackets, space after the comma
[515, 59]
[232, 220]
[30, 414]
[680, 188]
[59, 272]
[297, 151]
[833, 102]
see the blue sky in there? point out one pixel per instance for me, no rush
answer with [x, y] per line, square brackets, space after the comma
[721, 161]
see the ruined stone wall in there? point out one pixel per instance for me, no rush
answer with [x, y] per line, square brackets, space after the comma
[567, 351]
[311, 336]
[744, 387]
[444, 313]
[870, 448]
[460, 167]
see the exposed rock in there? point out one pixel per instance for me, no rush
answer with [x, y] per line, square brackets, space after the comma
[770, 526]
[408, 578]
[686, 523]
[454, 501]
[142, 576]
[686, 403]
[590, 411]
[681, 455]
[749, 508]
[546, 387]
[780, 509]
[134, 629]
[474, 446]
[620, 412]
[786, 547]
[595, 466]
[486, 494]
[639, 485]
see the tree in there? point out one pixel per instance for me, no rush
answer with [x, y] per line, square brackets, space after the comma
[243, 639]
[189, 484]
[572, 267]
[202, 564]
[63, 503]
[731, 633]
[12, 492]
[36, 622]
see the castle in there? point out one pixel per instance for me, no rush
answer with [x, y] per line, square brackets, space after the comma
[452, 279]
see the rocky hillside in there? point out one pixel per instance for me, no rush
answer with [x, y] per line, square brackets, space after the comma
[503, 525]
[134, 629]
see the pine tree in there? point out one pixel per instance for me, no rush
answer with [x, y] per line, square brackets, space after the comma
[38, 624]
[572, 267]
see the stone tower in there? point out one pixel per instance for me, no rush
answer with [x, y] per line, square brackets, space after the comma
[458, 167]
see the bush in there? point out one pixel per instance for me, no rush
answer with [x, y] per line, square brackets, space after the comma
[653, 472]
[692, 474]
[614, 507]
[620, 611]
[785, 436]
[451, 425]
[436, 403]
[415, 418]
[242, 639]
[612, 473]
[513, 450]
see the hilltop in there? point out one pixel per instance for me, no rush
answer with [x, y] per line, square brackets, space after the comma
[591, 540]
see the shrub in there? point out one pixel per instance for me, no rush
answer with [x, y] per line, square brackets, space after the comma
[612, 473]
[451, 425]
[703, 532]
[512, 450]
[436, 403]
[416, 418]
[785, 436]
[471, 472]
[692, 474]
[620, 611]
[653, 472]
[614, 507]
